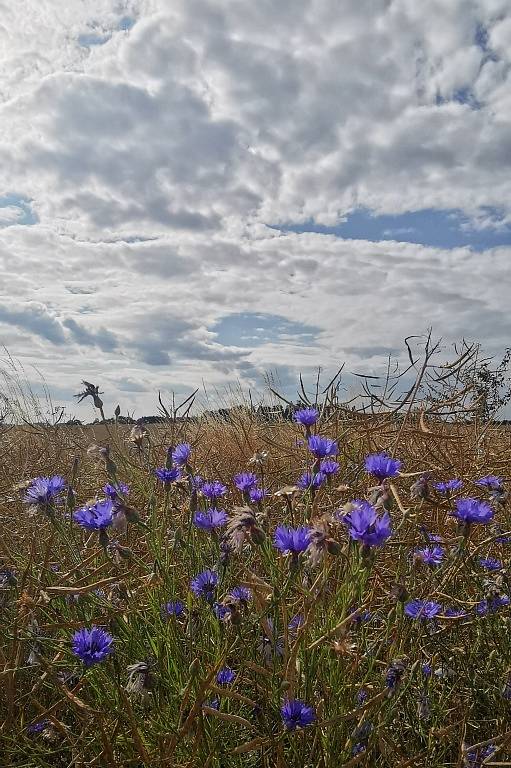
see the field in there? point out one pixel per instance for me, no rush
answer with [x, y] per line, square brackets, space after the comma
[326, 633]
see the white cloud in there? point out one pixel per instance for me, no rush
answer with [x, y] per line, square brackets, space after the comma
[155, 159]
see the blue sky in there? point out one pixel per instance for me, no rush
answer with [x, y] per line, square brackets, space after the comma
[437, 228]
[205, 191]
[16, 209]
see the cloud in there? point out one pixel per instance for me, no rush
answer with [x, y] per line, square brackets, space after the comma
[102, 338]
[35, 318]
[158, 142]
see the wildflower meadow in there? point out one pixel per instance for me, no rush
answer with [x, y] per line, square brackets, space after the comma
[327, 590]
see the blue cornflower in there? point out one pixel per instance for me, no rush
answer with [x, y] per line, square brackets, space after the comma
[475, 757]
[213, 703]
[490, 563]
[422, 609]
[430, 555]
[225, 676]
[430, 536]
[322, 447]
[382, 466]
[243, 594]
[256, 494]
[173, 608]
[454, 613]
[44, 491]
[296, 622]
[296, 714]
[221, 611]
[472, 511]
[394, 674]
[308, 480]
[213, 490]
[95, 517]
[492, 482]
[362, 618]
[291, 540]
[244, 481]
[329, 467]
[38, 727]
[204, 585]
[448, 486]
[167, 476]
[307, 417]
[210, 519]
[92, 645]
[364, 524]
[181, 454]
[197, 482]
[114, 492]
[492, 605]
[427, 670]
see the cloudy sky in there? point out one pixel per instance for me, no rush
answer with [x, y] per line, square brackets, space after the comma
[204, 190]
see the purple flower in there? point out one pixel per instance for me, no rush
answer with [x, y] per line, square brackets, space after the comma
[225, 676]
[213, 490]
[221, 611]
[210, 519]
[197, 482]
[308, 480]
[307, 417]
[296, 714]
[422, 609]
[243, 594]
[95, 517]
[472, 511]
[427, 670]
[167, 476]
[475, 757]
[454, 613]
[500, 538]
[256, 495]
[291, 540]
[430, 536]
[213, 703]
[364, 524]
[448, 486]
[321, 447]
[244, 481]
[92, 645]
[329, 467]
[382, 466]
[492, 482]
[38, 727]
[492, 605]
[204, 585]
[114, 492]
[44, 491]
[173, 608]
[181, 454]
[361, 697]
[394, 674]
[430, 555]
[490, 563]
[296, 622]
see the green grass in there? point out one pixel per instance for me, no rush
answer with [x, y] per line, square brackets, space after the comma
[94, 721]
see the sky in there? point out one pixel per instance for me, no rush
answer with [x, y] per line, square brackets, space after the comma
[199, 192]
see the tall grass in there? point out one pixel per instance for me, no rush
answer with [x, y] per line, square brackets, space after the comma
[386, 689]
